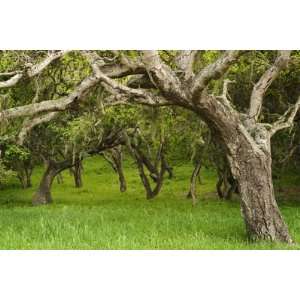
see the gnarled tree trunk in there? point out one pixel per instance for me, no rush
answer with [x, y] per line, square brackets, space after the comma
[249, 157]
[259, 208]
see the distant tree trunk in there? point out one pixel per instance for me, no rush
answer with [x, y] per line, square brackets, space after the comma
[156, 169]
[168, 168]
[118, 162]
[115, 159]
[226, 184]
[193, 182]
[219, 187]
[232, 187]
[158, 179]
[60, 178]
[24, 175]
[77, 173]
[43, 194]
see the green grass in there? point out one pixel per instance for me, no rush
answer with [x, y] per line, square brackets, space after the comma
[98, 216]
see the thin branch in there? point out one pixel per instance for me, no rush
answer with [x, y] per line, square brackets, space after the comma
[225, 96]
[265, 81]
[289, 155]
[287, 119]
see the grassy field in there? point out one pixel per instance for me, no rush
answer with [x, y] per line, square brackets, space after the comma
[98, 216]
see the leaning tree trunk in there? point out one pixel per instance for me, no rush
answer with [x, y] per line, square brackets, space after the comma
[248, 151]
[259, 208]
[43, 194]
[118, 163]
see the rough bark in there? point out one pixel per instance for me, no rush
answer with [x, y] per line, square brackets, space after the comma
[259, 208]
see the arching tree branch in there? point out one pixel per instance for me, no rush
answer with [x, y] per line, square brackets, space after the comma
[51, 105]
[119, 90]
[29, 124]
[213, 71]
[30, 71]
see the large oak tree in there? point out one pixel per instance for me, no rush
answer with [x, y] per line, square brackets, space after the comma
[159, 78]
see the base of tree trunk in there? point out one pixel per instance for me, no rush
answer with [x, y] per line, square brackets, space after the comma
[41, 198]
[123, 187]
[259, 208]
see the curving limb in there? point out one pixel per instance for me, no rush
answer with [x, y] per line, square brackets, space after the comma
[29, 124]
[30, 71]
[213, 71]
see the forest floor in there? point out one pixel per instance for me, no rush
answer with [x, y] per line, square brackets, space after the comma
[98, 216]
